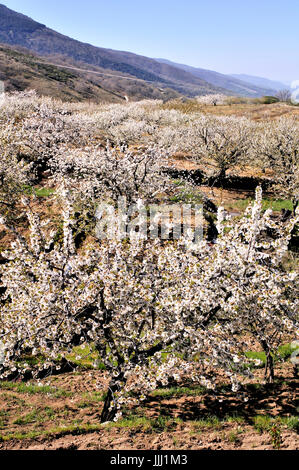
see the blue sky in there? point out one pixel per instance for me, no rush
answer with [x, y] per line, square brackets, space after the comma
[257, 37]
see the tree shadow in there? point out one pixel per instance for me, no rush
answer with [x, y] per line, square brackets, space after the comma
[280, 398]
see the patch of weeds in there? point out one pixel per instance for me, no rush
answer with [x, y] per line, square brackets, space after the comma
[179, 182]
[77, 422]
[12, 399]
[4, 416]
[187, 197]
[261, 423]
[38, 192]
[29, 360]
[49, 413]
[158, 425]
[258, 358]
[132, 422]
[86, 357]
[36, 416]
[292, 423]
[85, 404]
[285, 351]
[178, 392]
[33, 417]
[276, 205]
[19, 436]
[43, 192]
[234, 418]
[73, 429]
[207, 423]
[163, 423]
[91, 399]
[30, 389]
[57, 432]
[264, 423]
[234, 436]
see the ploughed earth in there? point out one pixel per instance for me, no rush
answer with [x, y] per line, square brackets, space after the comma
[63, 412]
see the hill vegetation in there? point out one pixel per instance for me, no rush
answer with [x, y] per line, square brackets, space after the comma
[20, 71]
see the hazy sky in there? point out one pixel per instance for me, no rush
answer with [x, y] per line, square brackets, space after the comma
[257, 37]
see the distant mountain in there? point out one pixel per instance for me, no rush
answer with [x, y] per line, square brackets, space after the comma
[261, 82]
[233, 83]
[19, 30]
[149, 78]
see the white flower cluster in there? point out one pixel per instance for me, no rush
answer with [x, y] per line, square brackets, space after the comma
[153, 310]
[212, 99]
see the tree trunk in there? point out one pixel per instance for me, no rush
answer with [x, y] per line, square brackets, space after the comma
[110, 404]
[269, 369]
[107, 413]
[221, 176]
[295, 205]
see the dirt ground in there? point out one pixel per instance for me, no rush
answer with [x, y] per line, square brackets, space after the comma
[63, 413]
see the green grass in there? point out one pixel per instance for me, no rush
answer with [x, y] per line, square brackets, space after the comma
[89, 400]
[178, 392]
[256, 355]
[292, 423]
[234, 418]
[275, 205]
[86, 357]
[284, 352]
[264, 423]
[159, 424]
[234, 436]
[131, 423]
[43, 192]
[187, 198]
[179, 182]
[209, 422]
[30, 389]
[35, 416]
[58, 431]
[4, 416]
[38, 192]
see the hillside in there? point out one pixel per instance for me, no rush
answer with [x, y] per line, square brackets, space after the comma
[235, 84]
[19, 30]
[21, 69]
[261, 82]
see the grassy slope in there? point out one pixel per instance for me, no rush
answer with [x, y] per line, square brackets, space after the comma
[20, 71]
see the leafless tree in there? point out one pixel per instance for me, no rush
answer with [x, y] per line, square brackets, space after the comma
[284, 95]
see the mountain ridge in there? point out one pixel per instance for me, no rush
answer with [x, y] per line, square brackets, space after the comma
[261, 81]
[229, 82]
[22, 69]
[19, 30]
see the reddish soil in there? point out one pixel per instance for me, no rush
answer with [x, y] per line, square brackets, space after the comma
[189, 421]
